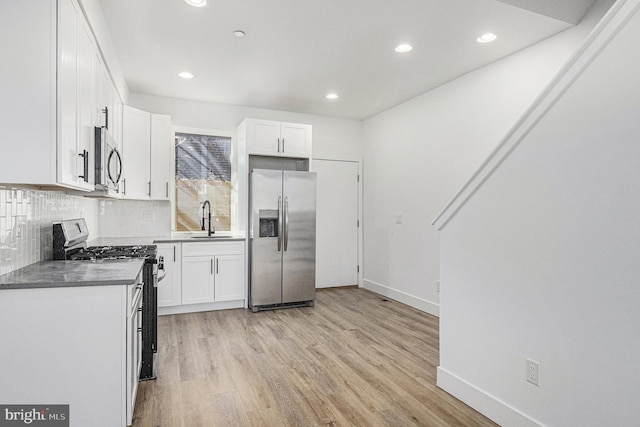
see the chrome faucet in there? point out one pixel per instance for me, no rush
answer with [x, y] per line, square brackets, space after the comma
[209, 231]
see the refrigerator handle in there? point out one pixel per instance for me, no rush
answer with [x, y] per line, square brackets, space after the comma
[279, 224]
[286, 222]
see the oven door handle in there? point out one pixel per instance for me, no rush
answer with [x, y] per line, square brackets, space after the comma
[162, 276]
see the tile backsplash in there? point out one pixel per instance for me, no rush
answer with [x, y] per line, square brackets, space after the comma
[26, 218]
[134, 218]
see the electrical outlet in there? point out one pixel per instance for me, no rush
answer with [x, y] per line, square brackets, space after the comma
[148, 215]
[398, 218]
[533, 372]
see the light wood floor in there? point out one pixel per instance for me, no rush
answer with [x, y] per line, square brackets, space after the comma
[353, 359]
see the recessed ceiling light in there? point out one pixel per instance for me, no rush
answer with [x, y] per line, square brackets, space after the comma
[332, 95]
[185, 75]
[196, 3]
[402, 48]
[238, 33]
[486, 38]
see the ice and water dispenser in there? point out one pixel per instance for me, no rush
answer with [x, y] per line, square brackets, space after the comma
[268, 222]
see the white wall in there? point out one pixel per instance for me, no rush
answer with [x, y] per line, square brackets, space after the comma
[420, 152]
[332, 138]
[543, 262]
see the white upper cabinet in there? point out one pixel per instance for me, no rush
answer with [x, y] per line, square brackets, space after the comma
[136, 154]
[85, 103]
[48, 94]
[263, 137]
[147, 155]
[270, 138]
[76, 48]
[295, 139]
[161, 157]
[68, 154]
[107, 113]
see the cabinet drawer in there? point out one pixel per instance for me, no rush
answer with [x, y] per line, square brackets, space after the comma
[212, 248]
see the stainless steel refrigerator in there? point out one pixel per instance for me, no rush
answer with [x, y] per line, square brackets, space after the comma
[282, 244]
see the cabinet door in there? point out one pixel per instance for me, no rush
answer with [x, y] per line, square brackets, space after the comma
[197, 279]
[229, 282]
[75, 97]
[99, 89]
[295, 140]
[161, 156]
[67, 93]
[134, 356]
[169, 292]
[136, 148]
[263, 137]
[85, 108]
[115, 115]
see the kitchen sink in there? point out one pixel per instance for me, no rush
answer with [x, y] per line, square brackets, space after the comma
[211, 237]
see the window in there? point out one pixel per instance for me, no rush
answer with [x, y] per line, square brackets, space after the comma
[203, 172]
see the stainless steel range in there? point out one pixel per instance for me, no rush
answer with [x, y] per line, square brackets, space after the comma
[70, 243]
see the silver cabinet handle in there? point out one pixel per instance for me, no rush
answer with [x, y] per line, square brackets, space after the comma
[105, 110]
[167, 191]
[174, 254]
[211, 264]
[124, 186]
[278, 145]
[279, 224]
[149, 188]
[216, 265]
[283, 145]
[286, 223]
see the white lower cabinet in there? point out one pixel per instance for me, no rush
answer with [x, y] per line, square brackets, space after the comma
[210, 276]
[77, 345]
[134, 349]
[169, 290]
[198, 280]
[229, 277]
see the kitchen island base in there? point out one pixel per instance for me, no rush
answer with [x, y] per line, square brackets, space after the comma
[68, 345]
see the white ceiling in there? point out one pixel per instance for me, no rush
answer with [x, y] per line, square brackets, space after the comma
[296, 51]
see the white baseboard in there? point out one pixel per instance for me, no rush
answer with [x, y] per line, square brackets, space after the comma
[483, 402]
[194, 308]
[410, 300]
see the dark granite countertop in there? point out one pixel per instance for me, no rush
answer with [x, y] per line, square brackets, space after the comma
[57, 274]
[173, 238]
[201, 238]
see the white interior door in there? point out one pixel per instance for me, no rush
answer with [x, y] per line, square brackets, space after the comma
[336, 223]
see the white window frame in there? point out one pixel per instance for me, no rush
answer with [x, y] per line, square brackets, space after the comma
[234, 176]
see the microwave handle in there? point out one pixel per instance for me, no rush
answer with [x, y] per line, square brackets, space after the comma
[115, 180]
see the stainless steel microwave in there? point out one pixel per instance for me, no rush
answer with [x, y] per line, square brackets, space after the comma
[108, 161]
